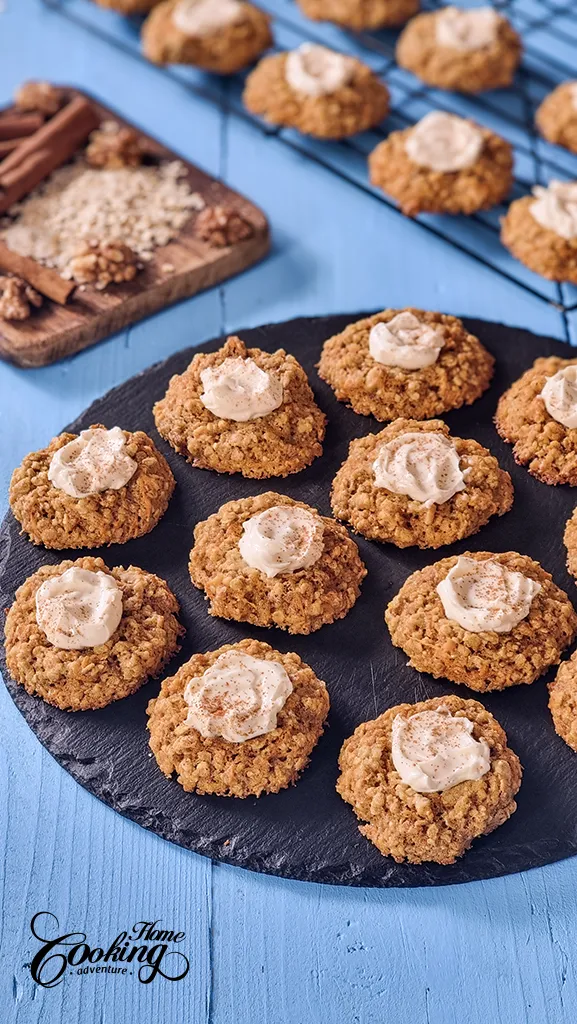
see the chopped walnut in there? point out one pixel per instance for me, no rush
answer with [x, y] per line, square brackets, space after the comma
[16, 298]
[40, 96]
[102, 263]
[112, 147]
[222, 226]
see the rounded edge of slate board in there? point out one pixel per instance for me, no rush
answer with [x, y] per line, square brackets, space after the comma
[307, 832]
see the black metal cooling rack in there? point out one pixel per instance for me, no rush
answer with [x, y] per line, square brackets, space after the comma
[549, 31]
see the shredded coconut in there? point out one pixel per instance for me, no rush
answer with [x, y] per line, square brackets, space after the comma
[145, 207]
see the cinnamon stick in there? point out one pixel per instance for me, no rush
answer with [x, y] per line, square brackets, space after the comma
[8, 146]
[45, 280]
[15, 125]
[49, 148]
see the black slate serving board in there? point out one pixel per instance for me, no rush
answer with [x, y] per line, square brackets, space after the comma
[307, 832]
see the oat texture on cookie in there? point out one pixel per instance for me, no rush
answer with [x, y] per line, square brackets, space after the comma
[285, 441]
[435, 826]
[56, 519]
[422, 457]
[460, 374]
[547, 447]
[414, 177]
[483, 660]
[223, 38]
[563, 702]
[211, 764]
[556, 117]
[145, 639]
[300, 601]
[358, 100]
[361, 14]
[128, 6]
[570, 540]
[447, 56]
[541, 231]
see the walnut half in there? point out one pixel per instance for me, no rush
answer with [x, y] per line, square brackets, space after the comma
[112, 147]
[102, 263]
[221, 226]
[16, 298]
[38, 96]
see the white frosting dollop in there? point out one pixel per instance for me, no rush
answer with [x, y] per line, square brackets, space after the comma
[422, 465]
[435, 750]
[444, 142]
[560, 396]
[282, 539]
[237, 389]
[461, 29]
[205, 17]
[95, 461]
[79, 608]
[316, 70]
[238, 698]
[555, 208]
[406, 342]
[486, 596]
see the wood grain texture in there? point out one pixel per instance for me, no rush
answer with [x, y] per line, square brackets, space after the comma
[262, 949]
[56, 331]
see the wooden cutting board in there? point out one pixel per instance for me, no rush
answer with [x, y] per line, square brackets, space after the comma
[178, 270]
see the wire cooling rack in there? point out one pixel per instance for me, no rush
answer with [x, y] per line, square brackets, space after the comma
[549, 31]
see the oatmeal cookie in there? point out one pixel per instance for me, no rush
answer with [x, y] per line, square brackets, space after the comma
[354, 107]
[283, 442]
[456, 69]
[547, 448]
[380, 514]
[83, 680]
[361, 14]
[301, 601]
[55, 519]
[459, 376]
[487, 660]
[570, 540]
[563, 701]
[537, 247]
[263, 764]
[418, 189]
[556, 117]
[128, 6]
[421, 827]
[226, 51]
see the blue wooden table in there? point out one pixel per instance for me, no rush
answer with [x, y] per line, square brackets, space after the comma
[261, 949]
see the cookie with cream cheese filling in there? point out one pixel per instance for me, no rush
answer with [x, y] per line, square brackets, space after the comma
[541, 231]
[104, 486]
[222, 36]
[443, 164]
[273, 561]
[486, 621]
[429, 824]
[538, 416]
[556, 117]
[563, 702]
[361, 14]
[413, 484]
[268, 746]
[410, 363]
[80, 635]
[242, 410]
[128, 6]
[469, 50]
[318, 91]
